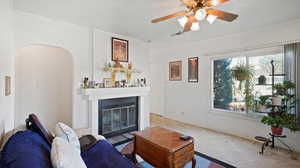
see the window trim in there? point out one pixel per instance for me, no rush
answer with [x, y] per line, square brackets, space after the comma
[218, 57]
[247, 54]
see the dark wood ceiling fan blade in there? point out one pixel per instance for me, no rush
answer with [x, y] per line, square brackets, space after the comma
[189, 24]
[180, 13]
[210, 3]
[177, 34]
[189, 3]
[226, 16]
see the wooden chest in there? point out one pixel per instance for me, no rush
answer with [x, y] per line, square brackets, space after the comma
[162, 148]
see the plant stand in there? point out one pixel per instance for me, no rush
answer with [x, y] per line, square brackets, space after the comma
[270, 141]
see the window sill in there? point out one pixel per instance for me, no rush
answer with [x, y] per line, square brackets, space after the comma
[245, 116]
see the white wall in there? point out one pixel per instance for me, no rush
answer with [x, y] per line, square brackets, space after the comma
[138, 55]
[90, 49]
[6, 65]
[31, 30]
[190, 102]
[158, 77]
[44, 84]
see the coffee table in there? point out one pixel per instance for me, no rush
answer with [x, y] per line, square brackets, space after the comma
[162, 148]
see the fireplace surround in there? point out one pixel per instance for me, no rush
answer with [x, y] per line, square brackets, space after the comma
[93, 96]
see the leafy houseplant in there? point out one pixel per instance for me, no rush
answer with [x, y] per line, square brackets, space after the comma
[280, 121]
[263, 100]
[241, 73]
[283, 88]
[282, 115]
[263, 103]
[276, 123]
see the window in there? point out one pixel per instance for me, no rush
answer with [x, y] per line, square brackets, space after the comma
[233, 95]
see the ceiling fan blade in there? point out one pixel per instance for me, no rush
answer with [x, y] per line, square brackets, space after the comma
[180, 13]
[189, 3]
[226, 16]
[177, 34]
[210, 3]
[189, 24]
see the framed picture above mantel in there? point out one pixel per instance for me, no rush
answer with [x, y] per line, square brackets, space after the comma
[193, 69]
[175, 71]
[119, 49]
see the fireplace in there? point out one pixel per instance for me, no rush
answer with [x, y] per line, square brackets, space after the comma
[94, 97]
[118, 116]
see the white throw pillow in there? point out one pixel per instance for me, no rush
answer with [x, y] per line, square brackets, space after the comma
[67, 133]
[64, 155]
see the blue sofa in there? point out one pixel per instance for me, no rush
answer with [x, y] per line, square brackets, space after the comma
[27, 149]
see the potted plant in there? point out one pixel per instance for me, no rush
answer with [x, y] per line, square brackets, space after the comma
[282, 115]
[277, 100]
[283, 88]
[276, 123]
[262, 80]
[263, 102]
[280, 121]
[241, 73]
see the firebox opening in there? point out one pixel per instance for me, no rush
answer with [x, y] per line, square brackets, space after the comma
[118, 117]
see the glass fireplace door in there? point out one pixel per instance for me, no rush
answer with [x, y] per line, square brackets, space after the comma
[117, 116]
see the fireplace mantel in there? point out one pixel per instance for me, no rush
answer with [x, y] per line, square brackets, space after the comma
[94, 95]
[109, 93]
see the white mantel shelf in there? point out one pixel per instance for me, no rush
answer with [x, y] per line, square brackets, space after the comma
[109, 93]
[94, 95]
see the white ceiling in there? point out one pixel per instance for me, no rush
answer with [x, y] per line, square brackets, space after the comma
[132, 17]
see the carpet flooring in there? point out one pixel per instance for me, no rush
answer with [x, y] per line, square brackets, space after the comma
[202, 161]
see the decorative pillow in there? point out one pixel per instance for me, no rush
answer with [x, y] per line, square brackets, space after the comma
[64, 155]
[67, 133]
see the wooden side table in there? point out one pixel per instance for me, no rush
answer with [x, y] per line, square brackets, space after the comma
[163, 148]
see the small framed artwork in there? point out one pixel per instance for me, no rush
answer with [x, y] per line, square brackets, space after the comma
[119, 50]
[175, 71]
[193, 66]
[108, 82]
[7, 85]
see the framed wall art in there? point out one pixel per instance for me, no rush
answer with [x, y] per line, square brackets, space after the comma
[119, 50]
[193, 66]
[175, 71]
[7, 85]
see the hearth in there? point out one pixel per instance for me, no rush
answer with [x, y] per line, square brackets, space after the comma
[118, 116]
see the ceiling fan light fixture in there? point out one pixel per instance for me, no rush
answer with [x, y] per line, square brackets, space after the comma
[214, 2]
[211, 19]
[195, 26]
[182, 21]
[200, 14]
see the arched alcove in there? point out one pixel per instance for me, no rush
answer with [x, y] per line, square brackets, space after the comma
[44, 79]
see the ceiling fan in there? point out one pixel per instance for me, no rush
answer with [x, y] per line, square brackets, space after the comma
[198, 10]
